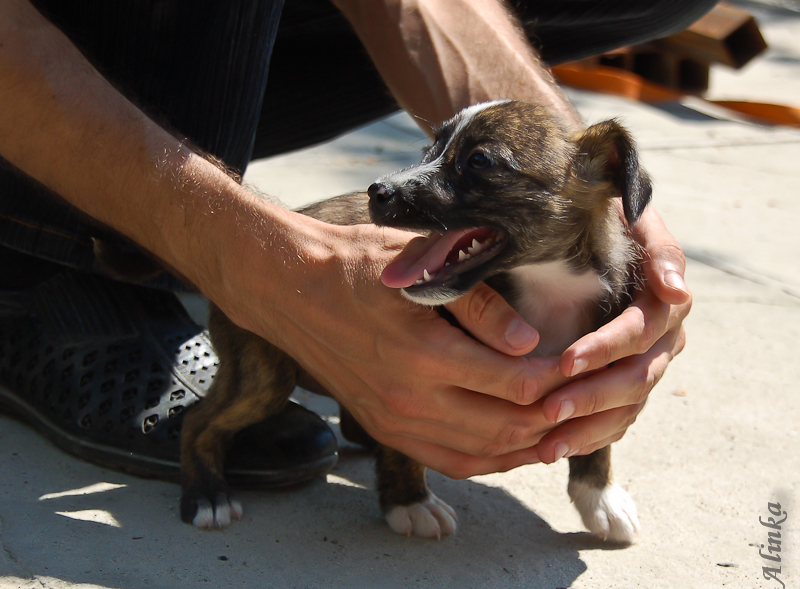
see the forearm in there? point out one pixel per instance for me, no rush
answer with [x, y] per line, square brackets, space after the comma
[439, 56]
[63, 124]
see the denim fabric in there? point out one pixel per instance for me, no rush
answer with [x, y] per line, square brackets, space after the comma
[200, 69]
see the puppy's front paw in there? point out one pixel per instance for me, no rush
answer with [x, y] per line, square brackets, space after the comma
[203, 513]
[609, 513]
[427, 519]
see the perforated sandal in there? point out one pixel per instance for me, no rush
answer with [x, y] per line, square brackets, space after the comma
[106, 371]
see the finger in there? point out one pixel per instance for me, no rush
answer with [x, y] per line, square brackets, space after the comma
[457, 465]
[489, 318]
[447, 418]
[471, 365]
[601, 444]
[423, 405]
[628, 382]
[451, 357]
[664, 264]
[634, 331]
[584, 432]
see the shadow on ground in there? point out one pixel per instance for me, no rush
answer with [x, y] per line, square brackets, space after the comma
[122, 531]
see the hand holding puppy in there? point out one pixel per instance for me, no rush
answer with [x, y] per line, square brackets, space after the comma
[641, 342]
[585, 412]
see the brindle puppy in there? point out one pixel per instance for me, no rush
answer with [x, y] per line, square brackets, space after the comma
[504, 195]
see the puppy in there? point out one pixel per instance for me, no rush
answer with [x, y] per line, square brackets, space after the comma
[504, 195]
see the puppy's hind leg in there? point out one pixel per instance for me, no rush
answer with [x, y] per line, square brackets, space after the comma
[409, 506]
[606, 508]
[254, 381]
[353, 431]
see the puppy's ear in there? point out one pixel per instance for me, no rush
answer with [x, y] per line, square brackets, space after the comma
[606, 152]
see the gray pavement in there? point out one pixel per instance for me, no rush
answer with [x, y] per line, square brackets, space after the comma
[716, 443]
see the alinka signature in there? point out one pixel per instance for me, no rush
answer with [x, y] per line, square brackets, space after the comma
[773, 553]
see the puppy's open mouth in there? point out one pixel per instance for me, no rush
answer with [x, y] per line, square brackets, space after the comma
[437, 260]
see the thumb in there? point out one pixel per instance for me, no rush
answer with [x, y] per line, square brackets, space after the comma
[490, 319]
[664, 263]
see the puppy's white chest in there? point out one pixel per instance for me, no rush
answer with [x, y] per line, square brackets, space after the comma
[560, 304]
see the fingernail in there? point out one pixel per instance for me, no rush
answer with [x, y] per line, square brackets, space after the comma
[565, 411]
[579, 365]
[519, 334]
[675, 280]
[561, 450]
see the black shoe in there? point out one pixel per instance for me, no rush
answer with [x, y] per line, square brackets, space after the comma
[106, 371]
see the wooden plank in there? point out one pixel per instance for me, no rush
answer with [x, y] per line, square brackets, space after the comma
[725, 35]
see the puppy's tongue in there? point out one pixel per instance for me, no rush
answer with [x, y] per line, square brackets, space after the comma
[421, 253]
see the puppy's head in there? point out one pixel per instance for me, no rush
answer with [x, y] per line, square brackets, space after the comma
[502, 185]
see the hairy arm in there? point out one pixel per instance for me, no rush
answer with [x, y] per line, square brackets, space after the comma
[439, 56]
[63, 124]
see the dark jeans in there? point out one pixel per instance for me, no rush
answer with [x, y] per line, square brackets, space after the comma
[200, 69]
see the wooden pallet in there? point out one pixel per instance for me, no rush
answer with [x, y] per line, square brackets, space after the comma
[726, 36]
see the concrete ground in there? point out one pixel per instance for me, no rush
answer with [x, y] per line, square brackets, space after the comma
[716, 444]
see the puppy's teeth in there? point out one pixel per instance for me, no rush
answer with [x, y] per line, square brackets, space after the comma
[478, 246]
[420, 281]
[462, 256]
[425, 276]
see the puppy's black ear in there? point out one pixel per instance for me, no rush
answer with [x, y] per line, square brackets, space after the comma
[606, 151]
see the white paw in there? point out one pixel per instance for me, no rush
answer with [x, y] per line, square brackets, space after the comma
[219, 515]
[428, 519]
[609, 513]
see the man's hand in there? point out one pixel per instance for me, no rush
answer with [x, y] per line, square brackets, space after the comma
[412, 380]
[640, 343]
[595, 406]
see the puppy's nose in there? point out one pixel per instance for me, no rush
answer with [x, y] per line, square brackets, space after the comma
[379, 192]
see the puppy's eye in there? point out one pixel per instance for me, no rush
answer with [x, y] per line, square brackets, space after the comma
[478, 160]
